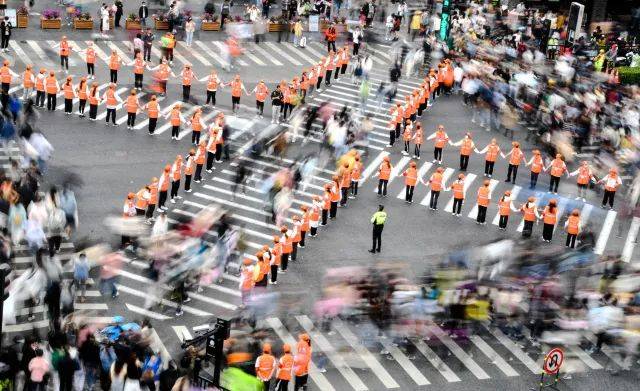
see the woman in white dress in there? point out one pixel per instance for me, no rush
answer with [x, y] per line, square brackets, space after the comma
[104, 20]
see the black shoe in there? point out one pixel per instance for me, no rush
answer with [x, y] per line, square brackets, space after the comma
[378, 250]
[372, 251]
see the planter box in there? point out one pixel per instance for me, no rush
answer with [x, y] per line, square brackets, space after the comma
[50, 23]
[210, 26]
[276, 27]
[23, 21]
[82, 24]
[111, 23]
[132, 25]
[161, 25]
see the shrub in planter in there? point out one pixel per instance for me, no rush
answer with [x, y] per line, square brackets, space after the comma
[210, 22]
[82, 21]
[161, 22]
[50, 19]
[132, 22]
[22, 16]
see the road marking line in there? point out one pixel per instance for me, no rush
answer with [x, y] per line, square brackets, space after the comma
[584, 357]
[336, 359]
[168, 303]
[373, 166]
[242, 207]
[187, 115]
[254, 58]
[474, 211]
[282, 53]
[164, 353]
[270, 57]
[467, 182]
[244, 196]
[145, 312]
[314, 52]
[405, 363]
[299, 52]
[459, 353]
[119, 91]
[223, 49]
[365, 355]
[318, 378]
[396, 171]
[493, 355]
[21, 52]
[445, 177]
[210, 52]
[180, 57]
[182, 332]
[632, 236]
[250, 220]
[99, 52]
[605, 231]
[40, 53]
[421, 172]
[514, 193]
[586, 213]
[514, 349]
[433, 358]
[123, 55]
[199, 57]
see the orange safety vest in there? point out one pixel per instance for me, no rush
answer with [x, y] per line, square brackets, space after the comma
[335, 193]
[93, 96]
[406, 135]
[265, 364]
[152, 109]
[188, 168]
[384, 171]
[132, 104]
[261, 92]
[211, 143]
[285, 365]
[177, 171]
[111, 98]
[529, 212]
[399, 114]
[411, 176]
[516, 156]
[356, 171]
[129, 205]
[82, 91]
[504, 207]
[326, 201]
[187, 76]
[276, 253]
[163, 72]
[5, 75]
[236, 88]
[536, 164]
[584, 175]
[40, 81]
[247, 279]
[418, 138]
[304, 227]
[458, 190]
[68, 90]
[301, 364]
[153, 189]
[287, 246]
[138, 66]
[345, 178]
[465, 148]
[548, 216]
[492, 153]
[64, 48]
[196, 125]
[165, 181]
[483, 196]
[200, 155]
[441, 139]
[141, 202]
[557, 167]
[114, 62]
[573, 225]
[315, 214]
[175, 117]
[436, 182]
[90, 57]
[52, 88]
[212, 83]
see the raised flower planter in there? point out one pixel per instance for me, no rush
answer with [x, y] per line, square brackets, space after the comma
[277, 27]
[23, 20]
[210, 26]
[47, 24]
[82, 24]
[161, 24]
[132, 25]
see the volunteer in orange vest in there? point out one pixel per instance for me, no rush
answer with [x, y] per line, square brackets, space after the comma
[187, 78]
[236, 92]
[458, 194]
[304, 225]
[64, 51]
[114, 66]
[41, 80]
[530, 215]
[515, 158]
[90, 59]
[138, 65]
[222, 146]
[153, 199]
[163, 185]
[344, 174]
[128, 211]
[176, 119]
[28, 82]
[410, 180]
[301, 362]
[484, 196]
[200, 158]
[261, 92]
[314, 215]
[330, 35]
[69, 94]
[335, 196]
[275, 260]
[176, 175]
[81, 91]
[196, 125]
[345, 60]
[611, 182]
[189, 167]
[466, 147]
[133, 106]
[441, 139]
[537, 166]
[424, 97]
[212, 87]
[585, 175]
[6, 75]
[287, 247]
[505, 206]
[142, 200]
[285, 369]
[326, 203]
[435, 182]
[153, 111]
[329, 66]
[556, 169]
[261, 274]
[246, 281]
[52, 87]
[573, 227]
[549, 218]
[162, 74]
[112, 101]
[384, 173]
[418, 137]
[94, 101]
[492, 151]
[212, 145]
[296, 237]
[407, 136]
[304, 86]
[407, 111]
[266, 366]
[356, 173]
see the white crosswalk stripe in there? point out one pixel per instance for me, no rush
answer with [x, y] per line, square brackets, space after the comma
[601, 243]
[123, 56]
[276, 48]
[492, 185]
[99, 52]
[468, 180]
[493, 356]
[40, 53]
[632, 237]
[459, 353]
[397, 170]
[445, 177]
[514, 195]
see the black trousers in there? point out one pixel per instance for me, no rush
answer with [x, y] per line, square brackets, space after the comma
[392, 137]
[198, 176]
[40, 98]
[553, 183]
[319, 82]
[408, 193]
[211, 97]
[162, 198]
[260, 107]
[113, 75]
[571, 240]
[433, 201]
[5, 41]
[457, 205]
[356, 48]
[527, 230]
[416, 150]
[313, 231]
[354, 188]
[219, 149]
[68, 105]
[175, 186]
[294, 251]
[512, 171]
[325, 216]
[502, 222]
[437, 154]
[150, 209]
[51, 102]
[345, 195]
[93, 111]
[333, 210]
[274, 276]
[282, 385]
[152, 125]
[488, 167]
[382, 187]
[482, 214]
[534, 180]
[327, 77]
[175, 130]
[54, 245]
[235, 102]
[186, 91]
[331, 45]
[398, 128]
[407, 143]
[343, 70]
[284, 261]
[210, 157]
[146, 52]
[464, 162]
[81, 106]
[111, 114]
[303, 235]
[64, 62]
[91, 69]
[377, 237]
[608, 198]
[195, 137]
[137, 80]
[547, 231]
[131, 119]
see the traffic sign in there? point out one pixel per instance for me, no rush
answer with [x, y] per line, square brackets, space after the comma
[553, 361]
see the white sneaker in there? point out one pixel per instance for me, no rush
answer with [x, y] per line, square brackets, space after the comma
[188, 191]
[179, 197]
[173, 201]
